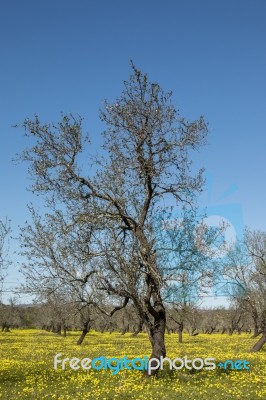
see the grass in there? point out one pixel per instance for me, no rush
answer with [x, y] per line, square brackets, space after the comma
[27, 371]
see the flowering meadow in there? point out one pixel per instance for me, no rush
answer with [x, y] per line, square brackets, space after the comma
[27, 368]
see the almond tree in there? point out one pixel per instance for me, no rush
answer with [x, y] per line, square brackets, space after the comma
[58, 268]
[144, 164]
[255, 242]
[246, 267]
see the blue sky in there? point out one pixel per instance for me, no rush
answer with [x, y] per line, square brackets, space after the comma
[68, 56]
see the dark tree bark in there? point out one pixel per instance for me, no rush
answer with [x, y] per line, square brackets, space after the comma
[255, 317]
[156, 330]
[58, 329]
[180, 332]
[211, 330]
[256, 333]
[85, 330]
[156, 336]
[6, 327]
[258, 346]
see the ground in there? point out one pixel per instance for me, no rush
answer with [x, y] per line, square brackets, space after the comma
[27, 368]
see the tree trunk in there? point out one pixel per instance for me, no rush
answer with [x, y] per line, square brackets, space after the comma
[194, 332]
[257, 346]
[156, 322]
[110, 328]
[256, 333]
[255, 318]
[158, 346]
[156, 335]
[154, 314]
[65, 330]
[85, 330]
[180, 332]
[239, 330]
[103, 327]
[125, 329]
[58, 329]
[139, 328]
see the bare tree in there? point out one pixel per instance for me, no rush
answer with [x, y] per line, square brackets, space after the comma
[58, 268]
[146, 160]
[255, 242]
[246, 266]
[183, 305]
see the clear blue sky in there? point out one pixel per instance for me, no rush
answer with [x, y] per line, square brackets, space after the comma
[70, 55]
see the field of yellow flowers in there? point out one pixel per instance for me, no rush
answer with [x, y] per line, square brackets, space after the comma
[27, 368]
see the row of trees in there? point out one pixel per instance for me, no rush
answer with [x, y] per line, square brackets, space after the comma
[57, 317]
[246, 268]
[102, 246]
[60, 311]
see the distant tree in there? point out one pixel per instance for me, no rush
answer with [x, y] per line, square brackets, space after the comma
[255, 242]
[181, 301]
[58, 269]
[246, 267]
